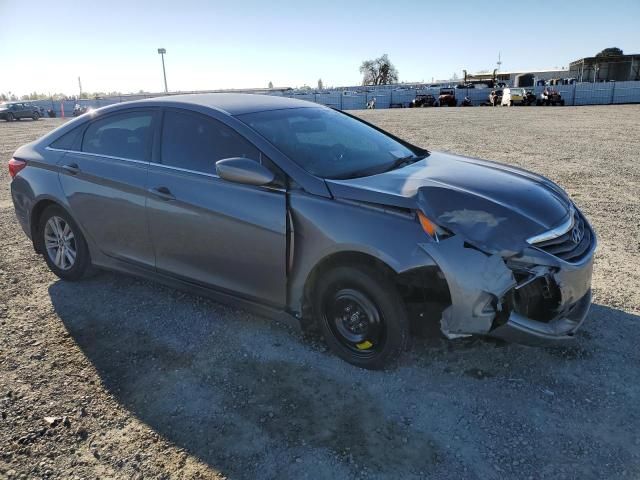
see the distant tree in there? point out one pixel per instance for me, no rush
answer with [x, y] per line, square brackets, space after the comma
[454, 76]
[3, 97]
[270, 85]
[609, 52]
[379, 71]
[320, 84]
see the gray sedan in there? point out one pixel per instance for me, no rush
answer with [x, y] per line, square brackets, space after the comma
[299, 211]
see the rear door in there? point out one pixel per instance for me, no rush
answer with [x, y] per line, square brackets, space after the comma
[207, 230]
[105, 181]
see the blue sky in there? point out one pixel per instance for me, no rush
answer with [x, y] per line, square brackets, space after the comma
[112, 45]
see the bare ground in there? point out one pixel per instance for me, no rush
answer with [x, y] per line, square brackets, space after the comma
[120, 378]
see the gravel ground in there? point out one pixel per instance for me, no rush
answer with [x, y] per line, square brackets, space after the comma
[120, 378]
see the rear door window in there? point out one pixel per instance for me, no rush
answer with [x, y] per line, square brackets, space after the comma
[123, 135]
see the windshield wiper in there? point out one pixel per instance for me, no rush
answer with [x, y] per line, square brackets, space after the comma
[398, 162]
[402, 161]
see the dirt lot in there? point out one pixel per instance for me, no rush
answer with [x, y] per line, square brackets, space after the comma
[144, 381]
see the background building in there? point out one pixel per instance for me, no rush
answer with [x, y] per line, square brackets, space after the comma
[605, 68]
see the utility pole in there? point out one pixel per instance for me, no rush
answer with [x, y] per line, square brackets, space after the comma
[162, 51]
[499, 62]
[80, 87]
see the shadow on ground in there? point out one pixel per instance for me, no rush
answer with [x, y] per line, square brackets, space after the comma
[241, 395]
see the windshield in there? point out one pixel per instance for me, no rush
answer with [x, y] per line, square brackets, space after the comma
[327, 143]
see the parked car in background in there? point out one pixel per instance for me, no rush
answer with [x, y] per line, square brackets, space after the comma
[529, 97]
[426, 100]
[299, 211]
[550, 96]
[512, 96]
[447, 97]
[466, 102]
[11, 111]
[495, 97]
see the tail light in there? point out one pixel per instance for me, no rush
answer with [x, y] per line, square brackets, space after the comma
[15, 165]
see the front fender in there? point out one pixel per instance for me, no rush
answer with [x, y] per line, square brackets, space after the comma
[324, 227]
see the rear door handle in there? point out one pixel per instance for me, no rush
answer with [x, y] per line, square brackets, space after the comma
[71, 168]
[162, 192]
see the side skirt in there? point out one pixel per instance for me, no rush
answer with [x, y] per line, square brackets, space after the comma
[226, 298]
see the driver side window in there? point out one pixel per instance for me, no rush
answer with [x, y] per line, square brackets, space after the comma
[196, 142]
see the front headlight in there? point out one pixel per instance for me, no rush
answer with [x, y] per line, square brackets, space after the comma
[432, 229]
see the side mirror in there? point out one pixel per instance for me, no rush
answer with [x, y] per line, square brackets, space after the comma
[244, 170]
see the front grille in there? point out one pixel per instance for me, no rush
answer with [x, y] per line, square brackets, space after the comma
[565, 247]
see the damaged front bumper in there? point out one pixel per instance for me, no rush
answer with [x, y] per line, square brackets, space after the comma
[520, 329]
[531, 298]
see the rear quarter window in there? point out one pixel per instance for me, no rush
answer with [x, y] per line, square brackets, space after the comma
[70, 140]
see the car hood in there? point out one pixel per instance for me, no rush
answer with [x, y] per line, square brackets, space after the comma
[494, 206]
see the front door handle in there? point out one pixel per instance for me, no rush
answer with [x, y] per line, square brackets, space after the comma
[162, 192]
[71, 168]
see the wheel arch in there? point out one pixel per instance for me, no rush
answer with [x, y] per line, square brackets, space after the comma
[420, 286]
[346, 257]
[34, 219]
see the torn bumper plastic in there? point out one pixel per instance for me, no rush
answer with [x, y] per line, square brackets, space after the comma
[520, 329]
[481, 288]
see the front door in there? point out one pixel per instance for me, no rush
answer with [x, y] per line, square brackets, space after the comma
[207, 230]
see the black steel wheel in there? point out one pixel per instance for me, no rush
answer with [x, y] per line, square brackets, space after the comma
[361, 315]
[10, 117]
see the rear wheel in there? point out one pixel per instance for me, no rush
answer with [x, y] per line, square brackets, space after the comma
[35, 116]
[361, 315]
[62, 244]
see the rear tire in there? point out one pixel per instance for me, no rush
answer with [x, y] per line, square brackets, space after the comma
[62, 244]
[361, 315]
[36, 116]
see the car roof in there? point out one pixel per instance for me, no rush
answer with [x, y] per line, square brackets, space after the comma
[231, 103]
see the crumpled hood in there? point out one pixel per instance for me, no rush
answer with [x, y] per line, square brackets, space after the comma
[494, 206]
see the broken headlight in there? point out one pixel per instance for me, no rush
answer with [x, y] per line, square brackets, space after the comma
[432, 229]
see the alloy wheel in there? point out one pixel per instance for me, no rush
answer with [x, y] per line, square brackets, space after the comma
[60, 243]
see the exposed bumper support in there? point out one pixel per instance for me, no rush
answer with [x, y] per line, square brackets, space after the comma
[520, 329]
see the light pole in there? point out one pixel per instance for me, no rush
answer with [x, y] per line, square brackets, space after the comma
[162, 51]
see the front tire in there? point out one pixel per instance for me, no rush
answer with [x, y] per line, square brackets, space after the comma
[10, 117]
[62, 244]
[361, 315]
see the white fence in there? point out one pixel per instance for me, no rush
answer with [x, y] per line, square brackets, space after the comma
[576, 94]
[387, 97]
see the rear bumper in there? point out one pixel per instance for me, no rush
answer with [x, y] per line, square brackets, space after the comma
[560, 331]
